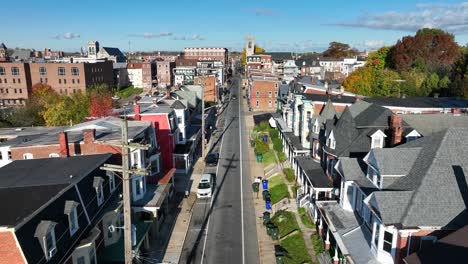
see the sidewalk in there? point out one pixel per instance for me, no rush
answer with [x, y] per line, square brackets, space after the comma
[266, 246]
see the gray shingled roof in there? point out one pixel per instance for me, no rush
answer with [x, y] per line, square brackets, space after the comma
[113, 51]
[314, 172]
[429, 124]
[390, 205]
[394, 161]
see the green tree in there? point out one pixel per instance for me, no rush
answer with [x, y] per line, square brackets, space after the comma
[413, 81]
[379, 59]
[58, 114]
[257, 50]
[384, 83]
[339, 50]
[429, 85]
[360, 81]
[459, 74]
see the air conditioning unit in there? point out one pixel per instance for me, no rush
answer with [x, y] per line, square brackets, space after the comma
[52, 252]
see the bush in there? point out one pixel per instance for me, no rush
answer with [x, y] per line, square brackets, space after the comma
[277, 145]
[274, 134]
[294, 190]
[263, 126]
[261, 147]
[305, 218]
[282, 157]
[289, 174]
[317, 243]
[129, 91]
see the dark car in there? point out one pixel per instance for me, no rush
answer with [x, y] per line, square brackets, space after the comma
[212, 159]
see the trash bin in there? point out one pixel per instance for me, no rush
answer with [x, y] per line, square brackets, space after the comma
[268, 204]
[279, 254]
[274, 233]
[255, 186]
[269, 228]
[259, 158]
[266, 195]
[265, 184]
[266, 217]
[265, 138]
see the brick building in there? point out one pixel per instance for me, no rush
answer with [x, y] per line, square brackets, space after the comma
[16, 79]
[264, 93]
[15, 83]
[142, 75]
[207, 54]
[164, 73]
[69, 78]
[211, 88]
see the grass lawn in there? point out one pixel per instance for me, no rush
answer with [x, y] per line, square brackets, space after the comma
[269, 158]
[274, 181]
[305, 218]
[129, 91]
[296, 250]
[286, 222]
[289, 174]
[279, 192]
[317, 243]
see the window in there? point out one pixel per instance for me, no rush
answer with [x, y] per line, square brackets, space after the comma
[5, 80]
[269, 103]
[376, 238]
[2, 70]
[42, 71]
[60, 81]
[9, 155]
[138, 186]
[97, 184]
[411, 138]
[75, 71]
[377, 141]
[269, 94]
[181, 137]
[1, 155]
[179, 120]
[258, 93]
[73, 81]
[80, 260]
[256, 103]
[19, 80]
[77, 81]
[72, 212]
[92, 256]
[53, 155]
[64, 81]
[387, 241]
[61, 71]
[15, 89]
[27, 156]
[14, 71]
[49, 244]
[111, 176]
[14, 80]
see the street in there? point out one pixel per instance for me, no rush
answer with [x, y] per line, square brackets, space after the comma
[222, 229]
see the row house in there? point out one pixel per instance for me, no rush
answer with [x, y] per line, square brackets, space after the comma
[263, 93]
[261, 62]
[396, 201]
[210, 87]
[290, 70]
[142, 75]
[212, 68]
[184, 71]
[164, 73]
[58, 215]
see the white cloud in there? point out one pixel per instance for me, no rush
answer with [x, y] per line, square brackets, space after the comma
[449, 17]
[374, 43]
[261, 11]
[67, 35]
[151, 35]
[193, 37]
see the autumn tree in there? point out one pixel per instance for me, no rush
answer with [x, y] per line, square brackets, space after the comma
[428, 50]
[100, 103]
[459, 74]
[379, 59]
[360, 81]
[339, 50]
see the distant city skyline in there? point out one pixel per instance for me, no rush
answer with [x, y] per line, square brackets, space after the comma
[276, 25]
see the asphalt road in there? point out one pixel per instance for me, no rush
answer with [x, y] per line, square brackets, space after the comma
[222, 229]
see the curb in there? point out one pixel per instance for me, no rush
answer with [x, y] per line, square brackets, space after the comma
[185, 236]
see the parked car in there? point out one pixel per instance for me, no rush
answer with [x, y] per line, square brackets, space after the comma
[206, 186]
[115, 97]
[212, 159]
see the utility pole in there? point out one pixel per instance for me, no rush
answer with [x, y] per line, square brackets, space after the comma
[126, 181]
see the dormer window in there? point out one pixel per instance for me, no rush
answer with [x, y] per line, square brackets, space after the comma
[377, 139]
[72, 212]
[316, 127]
[45, 233]
[413, 135]
[97, 184]
[111, 176]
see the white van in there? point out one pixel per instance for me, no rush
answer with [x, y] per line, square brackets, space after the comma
[206, 186]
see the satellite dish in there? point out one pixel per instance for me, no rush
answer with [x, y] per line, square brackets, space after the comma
[111, 229]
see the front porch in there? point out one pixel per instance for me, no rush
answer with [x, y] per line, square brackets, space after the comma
[344, 232]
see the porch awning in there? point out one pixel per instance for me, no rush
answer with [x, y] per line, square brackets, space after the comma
[272, 122]
[154, 196]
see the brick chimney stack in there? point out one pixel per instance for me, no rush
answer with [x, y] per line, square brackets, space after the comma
[89, 135]
[63, 142]
[137, 110]
[396, 129]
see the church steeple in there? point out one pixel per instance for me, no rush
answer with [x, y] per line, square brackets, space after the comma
[3, 53]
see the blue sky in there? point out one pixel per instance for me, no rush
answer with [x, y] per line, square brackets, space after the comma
[277, 25]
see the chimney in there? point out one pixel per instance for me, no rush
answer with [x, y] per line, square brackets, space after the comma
[63, 142]
[89, 135]
[136, 109]
[456, 111]
[396, 129]
[168, 93]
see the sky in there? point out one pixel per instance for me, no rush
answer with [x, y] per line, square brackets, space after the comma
[277, 25]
